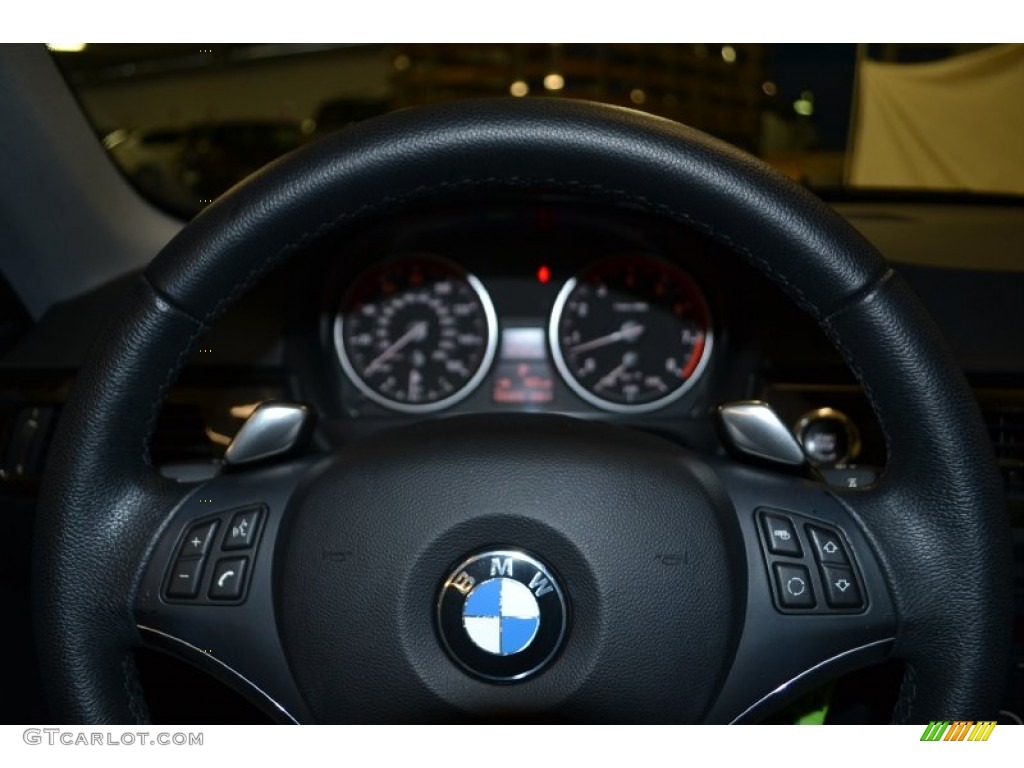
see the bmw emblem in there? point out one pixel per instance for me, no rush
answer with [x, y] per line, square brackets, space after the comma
[502, 615]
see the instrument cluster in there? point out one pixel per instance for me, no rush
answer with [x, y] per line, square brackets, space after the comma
[627, 332]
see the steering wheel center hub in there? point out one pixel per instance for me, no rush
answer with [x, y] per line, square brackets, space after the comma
[512, 571]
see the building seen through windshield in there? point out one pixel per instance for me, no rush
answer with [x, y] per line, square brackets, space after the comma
[185, 122]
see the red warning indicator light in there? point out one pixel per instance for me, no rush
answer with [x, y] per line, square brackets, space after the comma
[543, 274]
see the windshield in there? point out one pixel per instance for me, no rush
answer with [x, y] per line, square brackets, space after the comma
[186, 122]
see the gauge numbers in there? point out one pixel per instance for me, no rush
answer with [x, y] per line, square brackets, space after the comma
[630, 334]
[416, 334]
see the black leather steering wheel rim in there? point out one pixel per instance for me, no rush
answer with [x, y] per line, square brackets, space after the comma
[937, 517]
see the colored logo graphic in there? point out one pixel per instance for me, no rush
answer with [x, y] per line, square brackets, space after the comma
[501, 616]
[958, 730]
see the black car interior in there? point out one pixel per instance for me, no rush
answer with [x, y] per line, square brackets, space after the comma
[881, 331]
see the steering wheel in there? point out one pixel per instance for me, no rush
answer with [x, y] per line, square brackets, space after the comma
[656, 583]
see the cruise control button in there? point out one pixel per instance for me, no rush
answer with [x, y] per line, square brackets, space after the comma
[793, 584]
[828, 547]
[780, 535]
[242, 530]
[228, 578]
[841, 589]
[185, 578]
[197, 542]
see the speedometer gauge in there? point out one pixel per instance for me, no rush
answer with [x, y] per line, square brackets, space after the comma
[416, 333]
[631, 333]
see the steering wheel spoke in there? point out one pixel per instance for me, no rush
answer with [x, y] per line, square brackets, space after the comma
[207, 593]
[818, 603]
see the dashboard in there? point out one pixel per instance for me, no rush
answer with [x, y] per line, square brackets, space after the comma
[683, 326]
[541, 305]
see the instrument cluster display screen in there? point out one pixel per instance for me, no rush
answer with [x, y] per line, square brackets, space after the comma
[524, 375]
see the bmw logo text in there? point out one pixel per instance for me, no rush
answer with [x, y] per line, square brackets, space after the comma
[502, 615]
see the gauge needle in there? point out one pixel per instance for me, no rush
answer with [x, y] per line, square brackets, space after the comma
[417, 332]
[629, 331]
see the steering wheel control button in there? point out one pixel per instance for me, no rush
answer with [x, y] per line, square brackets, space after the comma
[228, 578]
[828, 547]
[241, 532]
[841, 588]
[793, 584]
[780, 534]
[198, 539]
[185, 576]
[502, 615]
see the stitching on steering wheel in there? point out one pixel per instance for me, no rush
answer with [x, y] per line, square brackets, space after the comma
[908, 694]
[133, 690]
[172, 372]
[826, 324]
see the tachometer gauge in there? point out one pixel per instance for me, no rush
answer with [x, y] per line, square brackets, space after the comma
[631, 333]
[416, 334]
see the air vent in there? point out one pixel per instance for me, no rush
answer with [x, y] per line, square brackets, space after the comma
[1006, 427]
